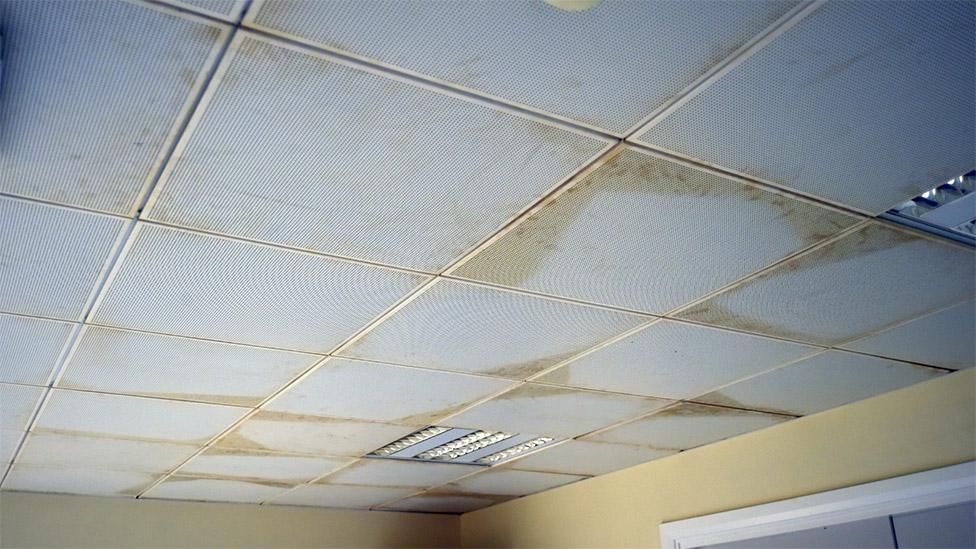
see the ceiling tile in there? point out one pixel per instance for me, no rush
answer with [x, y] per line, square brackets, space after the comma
[31, 348]
[349, 497]
[307, 434]
[93, 482]
[674, 360]
[56, 451]
[942, 339]
[93, 414]
[875, 277]
[189, 284]
[553, 411]
[174, 367]
[678, 220]
[861, 103]
[462, 327]
[17, 405]
[446, 502]
[392, 472]
[687, 425]
[511, 482]
[822, 382]
[227, 10]
[334, 138]
[52, 257]
[251, 465]
[607, 66]
[9, 439]
[367, 390]
[207, 489]
[581, 457]
[91, 90]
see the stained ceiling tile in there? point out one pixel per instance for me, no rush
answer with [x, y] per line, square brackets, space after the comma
[55, 451]
[9, 439]
[93, 482]
[392, 472]
[52, 257]
[870, 279]
[687, 425]
[17, 404]
[93, 414]
[825, 381]
[334, 139]
[462, 327]
[314, 435]
[581, 457]
[31, 348]
[674, 360]
[91, 91]
[942, 339]
[367, 390]
[609, 65]
[678, 220]
[349, 497]
[553, 411]
[189, 284]
[511, 482]
[208, 489]
[863, 103]
[249, 464]
[446, 502]
[174, 367]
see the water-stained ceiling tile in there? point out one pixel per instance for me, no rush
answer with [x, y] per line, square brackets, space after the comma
[392, 472]
[52, 257]
[17, 404]
[872, 278]
[110, 454]
[364, 166]
[687, 425]
[211, 489]
[462, 327]
[675, 360]
[553, 411]
[342, 496]
[94, 414]
[607, 66]
[31, 348]
[367, 390]
[91, 91]
[84, 481]
[644, 232]
[446, 502]
[250, 464]
[9, 440]
[863, 103]
[314, 435]
[581, 457]
[184, 283]
[135, 363]
[510, 482]
[822, 382]
[942, 339]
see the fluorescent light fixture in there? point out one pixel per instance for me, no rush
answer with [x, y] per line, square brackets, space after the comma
[410, 440]
[438, 444]
[948, 209]
[509, 453]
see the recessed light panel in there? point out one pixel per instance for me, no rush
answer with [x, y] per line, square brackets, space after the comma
[948, 209]
[438, 444]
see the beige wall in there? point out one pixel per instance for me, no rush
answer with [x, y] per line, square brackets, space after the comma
[922, 427]
[40, 520]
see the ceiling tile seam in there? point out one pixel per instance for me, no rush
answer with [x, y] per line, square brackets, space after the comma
[933, 312]
[68, 207]
[42, 318]
[199, 338]
[184, 11]
[39, 406]
[787, 21]
[198, 11]
[76, 389]
[476, 375]
[316, 480]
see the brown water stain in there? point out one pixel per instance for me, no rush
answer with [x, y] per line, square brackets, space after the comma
[431, 417]
[232, 400]
[283, 484]
[114, 436]
[235, 440]
[724, 400]
[532, 391]
[522, 370]
[137, 489]
[714, 313]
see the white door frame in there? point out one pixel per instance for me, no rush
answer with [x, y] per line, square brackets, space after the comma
[925, 490]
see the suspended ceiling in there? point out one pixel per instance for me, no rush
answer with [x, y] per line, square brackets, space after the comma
[244, 245]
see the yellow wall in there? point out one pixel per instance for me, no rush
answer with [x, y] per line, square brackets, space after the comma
[921, 427]
[41, 520]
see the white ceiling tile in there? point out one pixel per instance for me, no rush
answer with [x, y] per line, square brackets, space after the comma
[864, 282]
[227, 10]
[553, 411]
[31, 348]
[207, 489]
[446, 502]
[174, 367]
[581, 457]
[828, 380]
[658, 225]
[93, 482]
[17, 404]
[55, 451]
[245, 464]
[607, 66]
[9, 439]
[863, 103]
[307, 434]
[91, 90]
[349, 497]
[52, 257]
[942, 339]
[674, 360]
[94, 414]
[511, 482]
[367, 390]
[334, 139]
[392, 472]
[462, 327]
[189, 284]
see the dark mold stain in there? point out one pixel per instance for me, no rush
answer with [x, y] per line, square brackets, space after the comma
[235, 440]
[250, 480]
[722, 400]
[522, 370]
[532, 391]
[712, 312]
